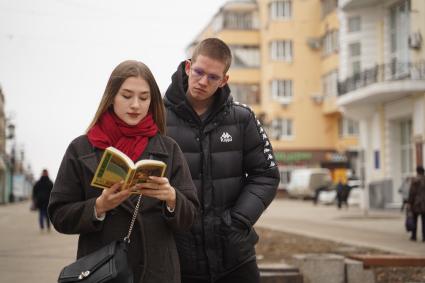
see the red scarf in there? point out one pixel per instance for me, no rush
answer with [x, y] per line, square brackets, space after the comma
[110, 130]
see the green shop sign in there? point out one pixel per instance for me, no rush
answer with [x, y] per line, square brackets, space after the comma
[293, 156]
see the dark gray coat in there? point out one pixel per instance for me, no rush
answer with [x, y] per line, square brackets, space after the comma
[152, 252]
[417, 195]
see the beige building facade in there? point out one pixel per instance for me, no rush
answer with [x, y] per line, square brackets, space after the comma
[4, 168]
[286, 60]
[382, 85]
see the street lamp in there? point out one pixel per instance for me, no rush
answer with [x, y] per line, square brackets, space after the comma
[10, 136]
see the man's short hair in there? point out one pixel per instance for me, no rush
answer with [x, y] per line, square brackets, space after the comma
[213, 48]
[420, 170]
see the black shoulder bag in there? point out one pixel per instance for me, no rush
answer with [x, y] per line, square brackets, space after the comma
[106, 265]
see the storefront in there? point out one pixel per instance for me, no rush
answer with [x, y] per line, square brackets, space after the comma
[337, 163]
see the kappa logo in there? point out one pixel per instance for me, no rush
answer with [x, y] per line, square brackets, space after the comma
[226, 137]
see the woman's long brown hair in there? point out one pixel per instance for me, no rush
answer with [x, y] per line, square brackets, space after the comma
[123, 71]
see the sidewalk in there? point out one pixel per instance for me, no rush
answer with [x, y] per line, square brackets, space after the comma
[26, 254]
[380, 229]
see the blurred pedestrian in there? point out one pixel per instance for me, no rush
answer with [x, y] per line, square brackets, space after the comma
[416, 201]
[404, 191]
[342, 194]
[40, 197]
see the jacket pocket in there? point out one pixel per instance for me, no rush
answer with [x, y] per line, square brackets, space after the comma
[187, 250]
[237, 244]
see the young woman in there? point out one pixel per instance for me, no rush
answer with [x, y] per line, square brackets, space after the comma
[130, 117]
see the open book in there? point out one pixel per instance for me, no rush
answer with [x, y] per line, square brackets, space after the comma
[116, 166]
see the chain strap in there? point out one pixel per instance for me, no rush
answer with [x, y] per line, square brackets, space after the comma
[136, 211]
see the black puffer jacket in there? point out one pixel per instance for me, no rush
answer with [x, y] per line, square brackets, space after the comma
[233, 167]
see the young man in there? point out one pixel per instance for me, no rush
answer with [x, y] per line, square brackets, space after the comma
[232, 165]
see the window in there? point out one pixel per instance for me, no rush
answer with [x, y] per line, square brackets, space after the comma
[348, 127]
[406, 147]
[354, 53]
[354, 24]
[280, 9]
[330, 84]
[246, 93]
[245, 56]
[282, 128]
[330, 42]
[281, 50]
[238, 20]
[282, 90]
[328, 6]
[399, 33]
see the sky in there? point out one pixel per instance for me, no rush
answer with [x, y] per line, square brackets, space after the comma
[56, 57]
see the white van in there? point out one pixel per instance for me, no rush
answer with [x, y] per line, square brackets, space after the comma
[305, 181]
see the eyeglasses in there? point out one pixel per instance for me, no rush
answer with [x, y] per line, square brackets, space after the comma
[199, 73]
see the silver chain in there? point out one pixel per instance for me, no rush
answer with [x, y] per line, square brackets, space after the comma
[136, 211]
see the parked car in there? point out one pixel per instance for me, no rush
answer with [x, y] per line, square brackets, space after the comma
[304, 182]
[329, 197]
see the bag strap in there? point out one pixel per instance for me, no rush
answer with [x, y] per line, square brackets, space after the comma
[130, 229]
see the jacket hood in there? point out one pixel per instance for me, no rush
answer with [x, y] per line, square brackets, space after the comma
[175, 96]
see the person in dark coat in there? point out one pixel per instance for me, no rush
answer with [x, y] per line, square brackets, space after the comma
[131, 118]
[232, 165]
[342, 194]
[40, 196]
[416, 201]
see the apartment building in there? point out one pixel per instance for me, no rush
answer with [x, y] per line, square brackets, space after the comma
[3, 159]
[382, 85]
[15, 180]
[286, 69]
[237, 24]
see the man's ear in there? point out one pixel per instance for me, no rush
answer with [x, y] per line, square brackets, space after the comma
[224, 81]
[187, 65]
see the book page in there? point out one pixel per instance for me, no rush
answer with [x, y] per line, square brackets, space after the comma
[112, 169]
[150, 168]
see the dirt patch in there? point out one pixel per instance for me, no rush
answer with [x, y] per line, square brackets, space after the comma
[275, 246]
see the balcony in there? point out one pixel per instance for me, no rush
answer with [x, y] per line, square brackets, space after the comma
[393, 80]
[356, 4]
[234, 15]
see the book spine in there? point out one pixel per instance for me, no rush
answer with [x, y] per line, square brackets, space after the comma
[105, 163]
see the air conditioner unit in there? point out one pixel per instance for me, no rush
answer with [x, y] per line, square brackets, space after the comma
[317, 98]
[415, 40]
[314, 43]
